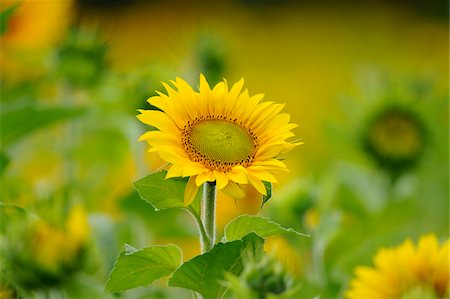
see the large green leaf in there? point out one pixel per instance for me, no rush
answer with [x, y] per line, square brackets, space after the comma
[262, 226]
[205, 272]
[16, 123]
[134, 268]
[161, 193]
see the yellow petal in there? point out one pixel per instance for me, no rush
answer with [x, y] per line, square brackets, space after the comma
[159, 120]
[206, 176]
[270, 164]
[175, 170]
[234, 191]
[261, 173]
[190, 191]
[269, 112]
[169, 155]
[221, 179]
[288, 146]
[257, 183]
[157, 136]
[269, 151]
[238, 175]
[192, 168]
[204, 86]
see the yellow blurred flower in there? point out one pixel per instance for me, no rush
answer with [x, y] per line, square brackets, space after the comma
[53, 247]
[405, 272]
[285, 253]
[218, 135]
[35, 24]
[6, 292]
[77, 226]
[311, 219]
[33, 28]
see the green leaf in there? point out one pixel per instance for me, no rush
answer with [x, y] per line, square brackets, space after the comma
[161, 193]
[266, 197]
[18, 122]
[134, 268]
[204, 273]
[262, 226]
[253, 246]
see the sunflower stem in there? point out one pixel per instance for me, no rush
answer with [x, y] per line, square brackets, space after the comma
[209, 215]
[201, 228]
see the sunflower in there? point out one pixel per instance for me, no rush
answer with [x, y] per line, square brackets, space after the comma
[218, 135]
[405, 272]
[395, 138]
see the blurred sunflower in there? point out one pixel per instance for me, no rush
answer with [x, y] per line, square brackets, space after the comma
[54, 247]
[395, 139]
[41, 254]
[28, 30]
[405, 272]
[285, 253]
[218, 135]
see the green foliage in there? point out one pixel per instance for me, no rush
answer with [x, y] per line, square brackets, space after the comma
[253, 247]
[210, 57]
[205, 272]
[263, 278]
[81, 58]
[4, 161]
[9, 214]
[16, 123]
[161, 193]
[135, 268]
[260, 225]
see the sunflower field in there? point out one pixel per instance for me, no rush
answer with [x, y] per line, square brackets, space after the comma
[232, 149]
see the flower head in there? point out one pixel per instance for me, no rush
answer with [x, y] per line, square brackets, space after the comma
[395, 139]
[218, 135]
[405, 272]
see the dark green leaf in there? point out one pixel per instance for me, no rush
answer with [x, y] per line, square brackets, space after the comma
[262, 226]
[134, 268]
[16, 123]
[161, 193]
[266, 197]
[205, 272]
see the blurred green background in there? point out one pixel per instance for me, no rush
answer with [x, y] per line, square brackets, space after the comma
[367, 82]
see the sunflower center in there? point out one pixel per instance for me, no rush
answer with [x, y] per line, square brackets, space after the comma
[396, 135]
[218, 143]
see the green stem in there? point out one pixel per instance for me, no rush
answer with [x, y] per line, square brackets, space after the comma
[201, 228]
[208, 212]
